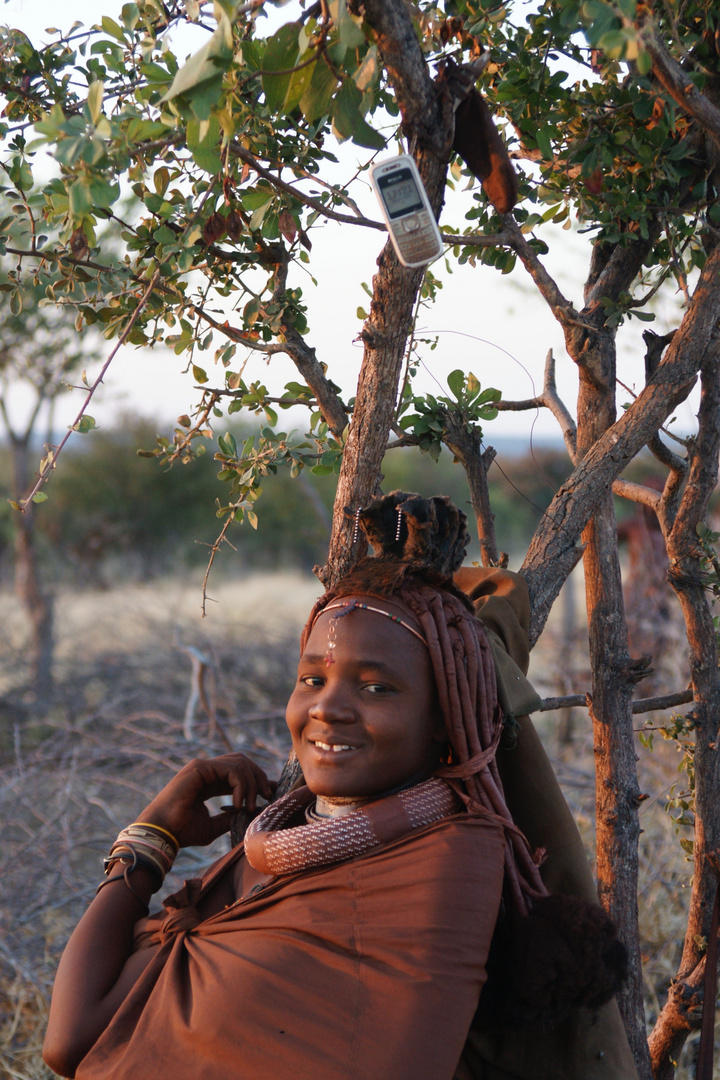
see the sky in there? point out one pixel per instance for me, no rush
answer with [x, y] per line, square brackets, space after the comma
[494, 325]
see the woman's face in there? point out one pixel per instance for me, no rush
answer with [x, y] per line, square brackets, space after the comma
[369, 720]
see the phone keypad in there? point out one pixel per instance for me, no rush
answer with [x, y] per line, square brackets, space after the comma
[416, 238]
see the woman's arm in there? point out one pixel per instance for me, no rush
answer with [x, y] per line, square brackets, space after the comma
[94, 975]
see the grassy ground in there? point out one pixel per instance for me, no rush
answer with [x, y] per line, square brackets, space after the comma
[73, 773]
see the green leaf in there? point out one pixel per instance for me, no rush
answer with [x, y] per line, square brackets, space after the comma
[199, 375]
[644, 62]
[95, 100]
[111, 27]
[297, 88]
[81, 203]
[316, 101]
[456, 382]
[39, 497]
[281, 53]
[203, 139]
[544, 145]
[130, 15]
[102, 193]
[348, 121]
[364, 135]
[613, 44]
[369, 71]
[349, 27]
[210, 61]
[84, 425]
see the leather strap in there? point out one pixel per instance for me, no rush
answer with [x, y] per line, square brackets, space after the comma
[710, 981]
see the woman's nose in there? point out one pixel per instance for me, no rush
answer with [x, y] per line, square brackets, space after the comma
[333, 707]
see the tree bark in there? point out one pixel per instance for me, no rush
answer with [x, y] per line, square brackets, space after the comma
[687, 574]
[616, 785]
[395, 287]
[28, 588]
[466, 445]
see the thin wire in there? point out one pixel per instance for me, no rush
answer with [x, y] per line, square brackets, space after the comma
[511, 356]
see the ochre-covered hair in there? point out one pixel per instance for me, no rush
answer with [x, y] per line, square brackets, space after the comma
[419, 544]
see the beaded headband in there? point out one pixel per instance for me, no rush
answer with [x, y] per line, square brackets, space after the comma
[353, 605]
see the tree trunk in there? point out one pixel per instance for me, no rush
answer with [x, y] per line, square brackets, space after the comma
[616, 785]
[37, 603]
[395, 287]
[688, 576]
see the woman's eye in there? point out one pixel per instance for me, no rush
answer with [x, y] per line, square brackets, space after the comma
[312, 681]
[377, 688]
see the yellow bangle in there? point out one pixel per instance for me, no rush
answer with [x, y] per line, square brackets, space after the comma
[148, 825]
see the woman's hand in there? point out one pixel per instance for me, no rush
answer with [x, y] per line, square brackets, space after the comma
[180, 806]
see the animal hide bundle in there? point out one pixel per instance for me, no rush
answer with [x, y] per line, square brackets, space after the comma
[476, 139]
[565, 953]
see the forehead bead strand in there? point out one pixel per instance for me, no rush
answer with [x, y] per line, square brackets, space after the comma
[353, 605]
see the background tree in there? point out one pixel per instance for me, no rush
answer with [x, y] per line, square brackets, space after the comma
[612, 114]
[39, 350]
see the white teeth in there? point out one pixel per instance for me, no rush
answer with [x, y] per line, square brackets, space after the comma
[336, 747]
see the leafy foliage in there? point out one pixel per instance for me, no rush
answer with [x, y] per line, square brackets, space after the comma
[212, 170]
[429, 423]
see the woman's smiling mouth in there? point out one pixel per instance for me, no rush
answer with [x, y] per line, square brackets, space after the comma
[334, 747]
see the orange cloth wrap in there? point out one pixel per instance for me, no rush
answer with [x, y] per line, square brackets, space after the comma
[369, 969]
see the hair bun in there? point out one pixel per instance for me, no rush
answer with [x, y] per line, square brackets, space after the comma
[428, 535]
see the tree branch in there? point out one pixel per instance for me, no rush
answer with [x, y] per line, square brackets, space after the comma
[307, 363]
[282, 185]
[641, 705]
[637, 493]
[554, 549]
[679, 85]
[51, 459]
[466, 444]
[561, 308]
[395, 287]
[548, 399]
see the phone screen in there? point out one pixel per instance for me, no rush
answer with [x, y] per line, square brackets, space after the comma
[400, 193]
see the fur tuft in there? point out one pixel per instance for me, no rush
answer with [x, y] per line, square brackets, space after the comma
[433, 534]
[565, 953]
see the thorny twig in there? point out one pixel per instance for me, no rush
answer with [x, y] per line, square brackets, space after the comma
[52, 457]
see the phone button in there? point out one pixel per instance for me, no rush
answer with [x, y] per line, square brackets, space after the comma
[411, 224]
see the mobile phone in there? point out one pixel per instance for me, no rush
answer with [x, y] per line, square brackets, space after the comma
[407, 211]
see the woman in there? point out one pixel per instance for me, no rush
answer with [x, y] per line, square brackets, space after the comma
[349, 936]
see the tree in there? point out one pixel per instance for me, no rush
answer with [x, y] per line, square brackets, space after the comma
[38, 351]
[612, 114]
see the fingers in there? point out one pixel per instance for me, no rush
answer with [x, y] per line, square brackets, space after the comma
[233, 774]
[180, 806]
[248, 781]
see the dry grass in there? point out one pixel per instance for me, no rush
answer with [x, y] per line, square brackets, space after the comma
[74, 773]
